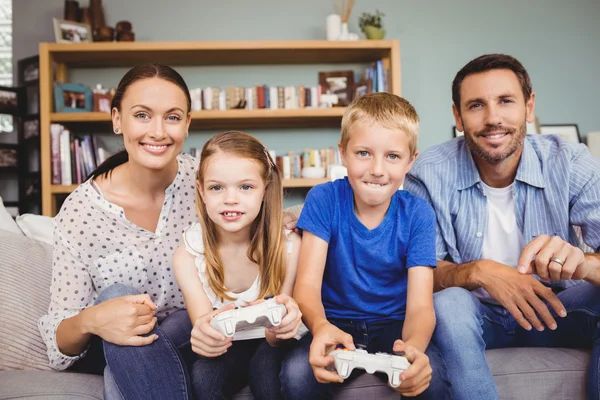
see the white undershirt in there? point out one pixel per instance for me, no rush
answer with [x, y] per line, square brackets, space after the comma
[502, 241]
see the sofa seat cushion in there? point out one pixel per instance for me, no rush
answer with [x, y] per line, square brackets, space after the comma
[539, 373]
[48, 385]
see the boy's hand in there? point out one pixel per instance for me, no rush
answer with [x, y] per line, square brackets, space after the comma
[325, 337]
[206, 340]
[292, 320]
[417, 377]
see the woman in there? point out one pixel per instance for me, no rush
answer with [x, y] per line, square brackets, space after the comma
[114, 240]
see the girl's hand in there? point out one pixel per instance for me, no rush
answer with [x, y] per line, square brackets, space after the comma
[123, 320]
[417, 377]
[206, 340]
[292, 320]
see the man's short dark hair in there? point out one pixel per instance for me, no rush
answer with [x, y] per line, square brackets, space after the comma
[489, 62]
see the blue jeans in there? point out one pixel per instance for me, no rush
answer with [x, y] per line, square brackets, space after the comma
[155, 371]
[246, 362]
[466, 327]
[299, 382]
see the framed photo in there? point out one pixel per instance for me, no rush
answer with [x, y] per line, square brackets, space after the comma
[29, 69]
[569, 132]
[72, 32]
[456, 132]
[8, 157]
[9, 100]
[340, 83]
[31, 128]
[72, 97]
[362, 87]
[102, 102]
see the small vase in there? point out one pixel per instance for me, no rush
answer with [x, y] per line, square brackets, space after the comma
[344, 33]
[334, 27]
[374, 33]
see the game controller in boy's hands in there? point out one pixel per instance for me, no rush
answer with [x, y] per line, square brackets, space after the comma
[267, 313]
[346, 360]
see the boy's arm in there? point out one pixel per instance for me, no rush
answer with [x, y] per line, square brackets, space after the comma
[420, 318]
[309, 279]
[186, 273]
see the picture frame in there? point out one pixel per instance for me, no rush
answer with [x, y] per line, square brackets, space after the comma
[9, 100]
[340, 83]
[72, 97]
[362, 87]
[9, 156]
[456, 132]
[569, 132]
[102, 102]
[29, 70]
[71, 32]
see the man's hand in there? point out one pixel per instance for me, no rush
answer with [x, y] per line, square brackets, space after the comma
[325, 337]
[418, 376]
[551, 258]
[521, 295]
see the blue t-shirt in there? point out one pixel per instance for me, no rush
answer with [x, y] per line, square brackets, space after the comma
[365, 275]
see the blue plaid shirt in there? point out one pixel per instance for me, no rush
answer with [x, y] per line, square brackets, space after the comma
[556, 191]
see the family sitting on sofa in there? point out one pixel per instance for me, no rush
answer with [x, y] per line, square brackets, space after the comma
[156, 245]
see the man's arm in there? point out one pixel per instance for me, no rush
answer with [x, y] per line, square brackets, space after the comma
[448, 274]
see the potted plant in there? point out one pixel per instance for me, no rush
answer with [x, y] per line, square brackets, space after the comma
[372, 25]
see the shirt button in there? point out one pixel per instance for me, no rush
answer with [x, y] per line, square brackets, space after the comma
[479, 234]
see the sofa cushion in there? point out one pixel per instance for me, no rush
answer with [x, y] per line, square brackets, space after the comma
[25, 271]
[46, 385]
[7, 222]
[539, 373]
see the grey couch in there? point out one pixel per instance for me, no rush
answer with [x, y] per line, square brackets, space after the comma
[521, 373]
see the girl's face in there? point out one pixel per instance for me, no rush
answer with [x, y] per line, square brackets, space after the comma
[154, 118]
[233, 191]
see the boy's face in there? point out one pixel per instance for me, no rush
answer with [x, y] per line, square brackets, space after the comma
[377, 160]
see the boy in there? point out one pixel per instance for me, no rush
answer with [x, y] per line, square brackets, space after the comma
[365, 268]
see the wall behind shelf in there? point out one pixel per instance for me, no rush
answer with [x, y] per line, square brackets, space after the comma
[555, 40]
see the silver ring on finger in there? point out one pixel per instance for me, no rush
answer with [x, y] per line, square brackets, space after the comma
[557, 260]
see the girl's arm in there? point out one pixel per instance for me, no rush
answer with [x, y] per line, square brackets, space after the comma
[288, 285]
[419, 321]
[186, 273]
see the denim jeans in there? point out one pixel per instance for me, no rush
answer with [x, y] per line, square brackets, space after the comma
[246, 362]
[155, 371]
[466, 327]
[299, 382]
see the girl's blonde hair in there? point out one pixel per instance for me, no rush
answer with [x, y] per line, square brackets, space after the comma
[266, 232]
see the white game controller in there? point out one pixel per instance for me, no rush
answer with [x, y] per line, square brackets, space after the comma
[346, 360]
[268, 313]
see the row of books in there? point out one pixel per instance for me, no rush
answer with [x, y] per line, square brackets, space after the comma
[255, 97]
[74, 157]
[292, 162]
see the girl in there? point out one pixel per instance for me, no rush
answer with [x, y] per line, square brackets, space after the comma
[114, 241]
[235, 255]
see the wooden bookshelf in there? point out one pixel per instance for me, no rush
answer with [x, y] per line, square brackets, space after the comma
[57, 58]
[287, 183]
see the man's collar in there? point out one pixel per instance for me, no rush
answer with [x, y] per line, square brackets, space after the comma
[529, 170]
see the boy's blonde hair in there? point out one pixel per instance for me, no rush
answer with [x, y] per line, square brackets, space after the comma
[388, 110]
[266, 232]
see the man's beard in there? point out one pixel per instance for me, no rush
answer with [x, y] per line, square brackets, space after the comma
[514, 145]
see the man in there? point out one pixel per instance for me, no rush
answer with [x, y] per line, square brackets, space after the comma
[506, 204]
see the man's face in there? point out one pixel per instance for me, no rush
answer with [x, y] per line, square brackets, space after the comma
[493, 114]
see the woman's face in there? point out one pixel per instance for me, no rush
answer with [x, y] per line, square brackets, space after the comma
[154, 118]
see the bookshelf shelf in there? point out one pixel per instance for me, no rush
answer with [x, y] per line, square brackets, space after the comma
[56, 59]
[206, 119]
[287, 183]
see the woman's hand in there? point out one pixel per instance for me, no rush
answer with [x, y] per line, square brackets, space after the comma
[292, 320]
[206, 340]
[123, 320]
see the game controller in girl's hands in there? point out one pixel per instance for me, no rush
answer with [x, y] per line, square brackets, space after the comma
[267, 313]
